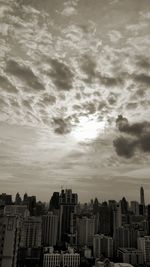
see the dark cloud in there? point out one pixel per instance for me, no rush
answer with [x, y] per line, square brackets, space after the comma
[142, 78]
[61, 75]
[143, 63]
[89, 107]
[110, 81]
[61, 125]
[48, 99]
[137, 136]
[125, 146]
[25, 74]
[112, 98]
[89, 68]
[131, 105]
[102, 105]
[6, 85]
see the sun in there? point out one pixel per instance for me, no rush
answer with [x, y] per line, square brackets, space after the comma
[88, 129]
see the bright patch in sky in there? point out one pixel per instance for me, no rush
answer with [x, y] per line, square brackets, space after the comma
[88, 129]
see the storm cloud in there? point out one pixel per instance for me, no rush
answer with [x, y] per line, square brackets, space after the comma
[136, 137]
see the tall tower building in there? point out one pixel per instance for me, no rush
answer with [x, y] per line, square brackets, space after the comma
[102, 245]
[144, 245]
[9, 240]
[49, 229]
[85, 231]
[31, 233]
[117, 217]
[67, 224]
[142, 200]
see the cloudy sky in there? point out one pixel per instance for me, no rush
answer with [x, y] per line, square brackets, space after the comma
[75, 97]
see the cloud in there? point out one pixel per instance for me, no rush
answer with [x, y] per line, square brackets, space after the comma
[7, 86]
[25, 74]
[136, 137]
[61, 75]
[61, 125]
[125, 146]
[143, 62]
[89, 68]
[142, 78]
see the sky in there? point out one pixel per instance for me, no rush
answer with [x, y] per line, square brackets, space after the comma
[75, 97]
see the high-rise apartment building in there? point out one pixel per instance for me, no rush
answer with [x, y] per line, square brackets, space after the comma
[102, 246]
[31, 233]
[85, 231]
[122, 237]
[144, 245]
[49, 229]
[67, 223]
[130, 255]
[9, 240]
[142, 198]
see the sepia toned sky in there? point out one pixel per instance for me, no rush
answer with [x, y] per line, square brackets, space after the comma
[75, 97]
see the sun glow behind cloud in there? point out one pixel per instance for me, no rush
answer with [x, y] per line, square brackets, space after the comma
[88, 129]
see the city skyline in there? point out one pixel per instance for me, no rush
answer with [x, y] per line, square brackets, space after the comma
[141, 199]
[74, 97]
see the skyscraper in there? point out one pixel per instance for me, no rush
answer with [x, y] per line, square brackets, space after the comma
[49, 229]
[31, 233]
[67, 224]
[142, 200]
[85, 231]
[9, 240]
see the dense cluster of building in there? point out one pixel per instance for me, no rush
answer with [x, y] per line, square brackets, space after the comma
[66, 233]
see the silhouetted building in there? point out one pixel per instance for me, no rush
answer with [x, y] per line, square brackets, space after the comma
[135, 207]
[117, 218]
[54, 202]
[18, 210]
[124, 206]
[130, 255]
[49, 229]
[144, 246]
[105, 220]
[67, 225]
[18, 199]
[102, 246]
[85, 231]
[122, 237]
[142, 199]
[9, 240]
[6, 199]
[31, 233]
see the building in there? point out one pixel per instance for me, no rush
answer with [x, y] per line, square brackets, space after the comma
[102, 246]
[49, 229]
[70, 260]
[31, 233]
[67, 223]
[142, 198]
[9, 240]
[18, 199]
[85, 231]
[122, 237]
[54, 202]
[106, 219]
[130, 255]
[135, 207]
[144, 246]
[124, 206]
[6, 199]
[117, 217]
[106, 263]
[63, 259]
[52, 260]
[18, 210]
